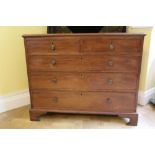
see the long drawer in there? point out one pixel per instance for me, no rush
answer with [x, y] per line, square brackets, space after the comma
[84, 63]
[84, 101]
[74, 45]
[83, 81]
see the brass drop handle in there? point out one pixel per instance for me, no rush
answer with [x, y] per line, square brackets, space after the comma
[55, 99]
[54, 80]
[108, 100]
[110, 63]
[53, 62]
[53, 47]
[110, 82]
[82, 76]
[111, 46]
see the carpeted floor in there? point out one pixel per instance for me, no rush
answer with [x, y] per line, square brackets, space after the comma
[19, 119]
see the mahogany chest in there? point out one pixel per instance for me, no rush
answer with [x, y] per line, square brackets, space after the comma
[84, 73]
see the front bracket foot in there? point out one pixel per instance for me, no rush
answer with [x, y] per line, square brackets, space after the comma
[35, 115]
[133, 118]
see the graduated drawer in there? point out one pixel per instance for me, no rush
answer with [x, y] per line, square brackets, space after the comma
[116, 46]
[83, 81]
[84, 101]
[84, 63]
[53, 46]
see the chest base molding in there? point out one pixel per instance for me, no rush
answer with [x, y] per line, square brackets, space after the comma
[35, 115]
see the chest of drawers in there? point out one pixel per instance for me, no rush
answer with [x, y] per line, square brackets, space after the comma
[84, 73]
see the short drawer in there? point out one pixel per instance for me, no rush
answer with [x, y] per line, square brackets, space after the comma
[53, 46]
[113, 46]
[54, 63]
[83, 81]
[111, 63]
[84, 63]
[84, 101]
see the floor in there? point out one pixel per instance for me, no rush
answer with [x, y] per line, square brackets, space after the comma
[19, 119]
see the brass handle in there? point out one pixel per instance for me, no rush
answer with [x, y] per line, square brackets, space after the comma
[110, 63]
[109, 101]
[110, 82]
[54, 80]
[53, 62]
[82, 76]
[111, 46]
[55, 99]
[53, 47]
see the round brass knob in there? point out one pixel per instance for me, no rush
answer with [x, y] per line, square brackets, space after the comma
[109, 101]
[110, 63]
[82, 76]
[111, 46]
[54, 80]
[110, 82]
[52, 47]
[53, 62]
[55, 99]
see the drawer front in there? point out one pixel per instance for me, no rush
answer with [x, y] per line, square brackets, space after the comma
[53, 46]
[84, 63]
[55, 63]
[117, 46]
[86, 101]
[111, 63]
[127, 45]
[96, 45]
[83, 81]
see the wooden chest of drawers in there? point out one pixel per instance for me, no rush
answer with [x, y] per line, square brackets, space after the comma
[84, 73]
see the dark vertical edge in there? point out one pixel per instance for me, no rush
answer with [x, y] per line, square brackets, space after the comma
[139, 67]
[28, 73]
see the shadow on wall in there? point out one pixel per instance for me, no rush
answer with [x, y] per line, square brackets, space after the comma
[151, 75]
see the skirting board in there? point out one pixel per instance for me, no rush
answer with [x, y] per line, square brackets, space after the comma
[14, 100]
[144, 97]
[22, 98]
